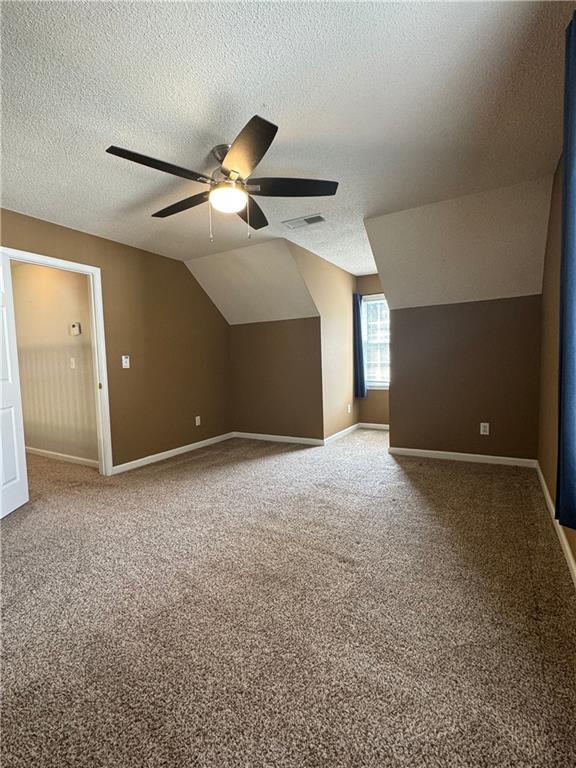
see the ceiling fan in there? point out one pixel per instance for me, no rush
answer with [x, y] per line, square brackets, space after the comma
[233, 189]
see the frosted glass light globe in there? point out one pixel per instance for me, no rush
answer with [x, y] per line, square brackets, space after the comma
[228, 197]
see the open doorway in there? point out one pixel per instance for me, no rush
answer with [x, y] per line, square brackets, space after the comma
[53, 320]
[56, 357]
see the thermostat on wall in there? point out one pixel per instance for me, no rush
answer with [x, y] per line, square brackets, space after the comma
[75, 329]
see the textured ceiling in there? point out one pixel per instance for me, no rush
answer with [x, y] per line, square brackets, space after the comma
[403, 103]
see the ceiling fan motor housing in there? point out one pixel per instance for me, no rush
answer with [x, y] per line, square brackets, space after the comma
[220, 151]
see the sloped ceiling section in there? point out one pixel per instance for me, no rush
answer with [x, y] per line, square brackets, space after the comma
[488, 245]
[258, 283]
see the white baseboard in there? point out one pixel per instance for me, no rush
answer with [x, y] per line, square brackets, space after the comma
[561, 533]
[359, 425]
[473, 457]
[279, 438]
[118, 468]
[63, 457]
[338, 435]
[510, 461]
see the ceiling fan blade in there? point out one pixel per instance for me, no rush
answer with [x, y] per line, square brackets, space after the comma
[183, 205]
[278, 187]
[160, 165]
[257, 218]
[249, 147]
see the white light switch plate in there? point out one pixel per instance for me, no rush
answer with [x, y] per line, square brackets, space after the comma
[125, 361]
[198, 421]
[484, 427]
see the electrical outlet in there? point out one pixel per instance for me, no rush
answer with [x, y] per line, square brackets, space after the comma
[198, 421]
[484, 427]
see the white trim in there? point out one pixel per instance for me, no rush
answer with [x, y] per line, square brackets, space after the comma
[561, 533]
[118, 468]
[99, 346]
[338, 435]
[244, 436]
[369, 297]
[473, 457]
[63, 457]
[359, 425]
[279, 438]
[376, 386]
[511, 461]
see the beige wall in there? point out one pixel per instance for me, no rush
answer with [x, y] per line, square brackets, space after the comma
[58, 400]
[455, 365]
[331, 289]
[155, 311]
[548, 434]
[277, 378]
[375, 407]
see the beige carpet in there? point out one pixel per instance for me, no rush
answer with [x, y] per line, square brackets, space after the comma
[262, 605]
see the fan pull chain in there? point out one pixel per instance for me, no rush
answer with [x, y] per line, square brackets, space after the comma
[210, 220]
[248, 218]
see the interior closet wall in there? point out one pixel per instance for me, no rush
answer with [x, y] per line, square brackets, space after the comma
[56, 367]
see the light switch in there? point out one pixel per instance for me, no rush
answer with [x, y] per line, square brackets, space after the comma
[72, 363]
[125, 361]
[484, 428]
[198, 421]
[75, 329]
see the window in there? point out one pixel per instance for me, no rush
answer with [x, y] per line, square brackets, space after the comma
[376, 341]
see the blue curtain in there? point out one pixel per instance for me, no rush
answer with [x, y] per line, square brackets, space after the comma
[566, 484]
[360, 389]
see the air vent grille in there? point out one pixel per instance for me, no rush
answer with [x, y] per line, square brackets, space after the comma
[304, 221]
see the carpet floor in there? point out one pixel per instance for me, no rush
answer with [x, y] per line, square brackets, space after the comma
[259, 605]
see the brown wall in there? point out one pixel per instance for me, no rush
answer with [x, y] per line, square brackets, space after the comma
[277, 377]
[548, 434]
[455, 365]
[155, 311]
[331, 289]
[375, 407]
[368, 285]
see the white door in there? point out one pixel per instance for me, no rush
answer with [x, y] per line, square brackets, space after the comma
[14, 490]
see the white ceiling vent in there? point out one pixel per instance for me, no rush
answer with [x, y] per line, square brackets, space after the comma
[304, 221]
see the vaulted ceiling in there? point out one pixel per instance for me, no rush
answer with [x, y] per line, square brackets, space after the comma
[404, 103]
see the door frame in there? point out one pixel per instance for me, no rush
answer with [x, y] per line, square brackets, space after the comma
[98, 347]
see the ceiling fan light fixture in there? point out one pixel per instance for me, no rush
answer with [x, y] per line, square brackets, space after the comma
[228, 197]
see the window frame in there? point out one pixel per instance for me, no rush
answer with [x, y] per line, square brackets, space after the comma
[369, 299]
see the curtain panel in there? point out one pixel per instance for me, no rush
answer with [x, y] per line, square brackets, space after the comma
[360, 389]
[566, 483]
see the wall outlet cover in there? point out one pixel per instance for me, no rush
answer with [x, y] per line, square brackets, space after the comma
[484, 427]
[198, 421]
